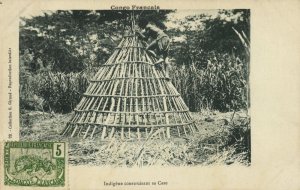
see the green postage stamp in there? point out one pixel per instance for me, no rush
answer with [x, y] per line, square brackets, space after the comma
[40, 164]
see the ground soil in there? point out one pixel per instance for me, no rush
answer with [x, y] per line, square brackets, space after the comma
[224, 138]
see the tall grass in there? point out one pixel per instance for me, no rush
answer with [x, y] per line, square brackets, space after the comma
[222, 85]
[60, 92]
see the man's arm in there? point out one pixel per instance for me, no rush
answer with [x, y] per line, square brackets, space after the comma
[142, 35]
[151, 45]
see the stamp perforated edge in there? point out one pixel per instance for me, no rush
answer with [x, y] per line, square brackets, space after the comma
[2, 171]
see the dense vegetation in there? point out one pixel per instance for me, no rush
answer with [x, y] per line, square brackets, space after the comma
[61, 50]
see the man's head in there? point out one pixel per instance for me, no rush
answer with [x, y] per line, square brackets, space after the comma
[143, 22]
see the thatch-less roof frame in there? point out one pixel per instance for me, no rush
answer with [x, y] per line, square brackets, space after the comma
[130, 98]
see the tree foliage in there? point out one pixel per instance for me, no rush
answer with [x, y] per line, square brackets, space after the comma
[214, 35]
[210, 54]
[70, 41]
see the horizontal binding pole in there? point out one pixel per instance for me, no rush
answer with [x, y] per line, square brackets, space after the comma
[127, 47]
[120, 63]
[132, 126]
[133, 113]
[119, 96]
[120, 78]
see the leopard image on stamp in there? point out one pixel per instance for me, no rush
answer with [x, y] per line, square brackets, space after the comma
[34, 164]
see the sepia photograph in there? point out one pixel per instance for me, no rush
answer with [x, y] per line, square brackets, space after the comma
[149, 95]
[138, 88]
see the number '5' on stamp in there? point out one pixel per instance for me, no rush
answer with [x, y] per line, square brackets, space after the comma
[41, 164]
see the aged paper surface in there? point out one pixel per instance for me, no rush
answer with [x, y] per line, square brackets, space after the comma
[274, 94]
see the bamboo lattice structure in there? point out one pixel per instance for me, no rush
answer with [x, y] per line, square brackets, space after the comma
[129, 98]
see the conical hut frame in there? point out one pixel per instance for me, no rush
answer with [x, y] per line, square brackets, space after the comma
[130, 98]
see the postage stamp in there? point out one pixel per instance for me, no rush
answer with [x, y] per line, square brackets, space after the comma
[41, 164]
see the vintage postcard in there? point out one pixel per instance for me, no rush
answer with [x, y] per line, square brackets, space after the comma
[139, 95]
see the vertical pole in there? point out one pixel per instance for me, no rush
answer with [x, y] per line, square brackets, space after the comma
[103, 133]
[122, 133]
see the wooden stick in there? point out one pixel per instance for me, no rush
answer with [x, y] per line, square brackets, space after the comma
[103, 133]
[66, 129]
[184, 130]
[112, 133]
[164, 135]
[122, 133]
[178, 131]
[138, 134]
[146, 132]
[73, 133]
[129, 135]
[79, 132]
[86, 133]
[93, 132]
